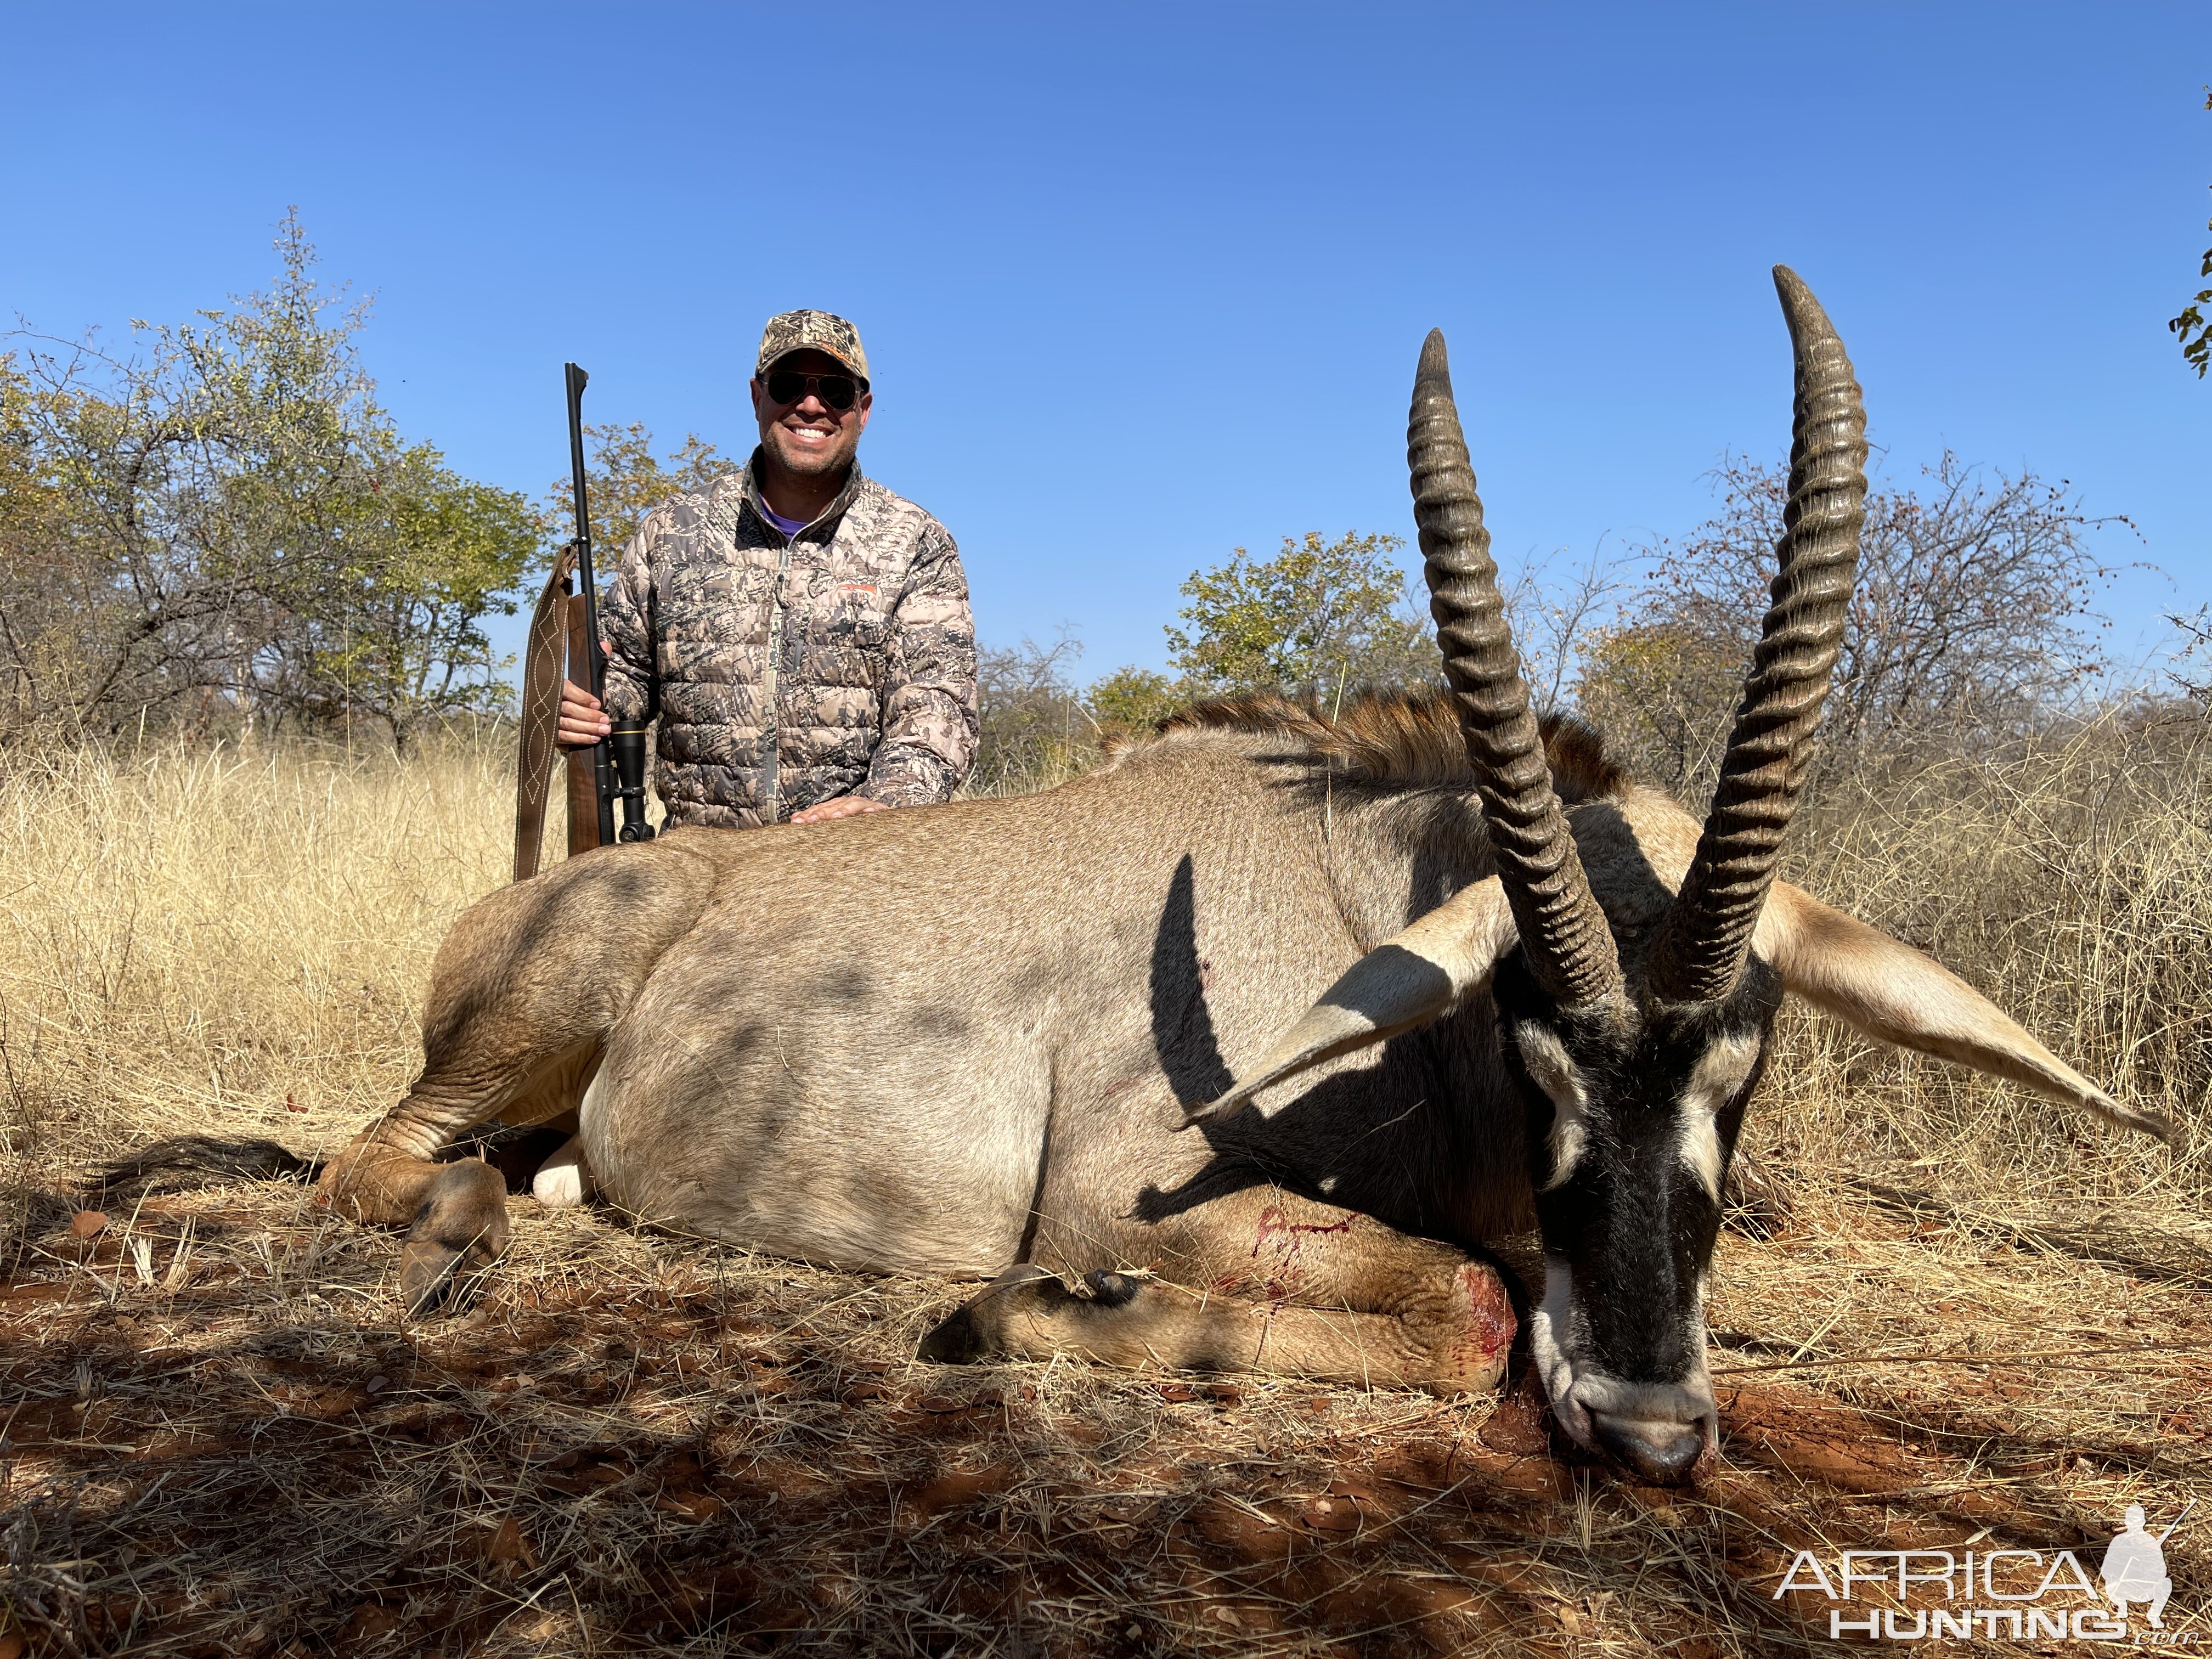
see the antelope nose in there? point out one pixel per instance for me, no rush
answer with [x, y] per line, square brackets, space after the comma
[1660, 1450]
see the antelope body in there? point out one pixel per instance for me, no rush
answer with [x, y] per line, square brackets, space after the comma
[1045, 1038]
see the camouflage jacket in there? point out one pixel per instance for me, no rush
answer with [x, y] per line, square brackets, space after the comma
[785, 672]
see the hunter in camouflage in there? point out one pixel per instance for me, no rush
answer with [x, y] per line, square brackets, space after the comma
[822, 657]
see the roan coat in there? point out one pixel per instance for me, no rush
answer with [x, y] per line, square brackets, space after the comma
[970, 1039]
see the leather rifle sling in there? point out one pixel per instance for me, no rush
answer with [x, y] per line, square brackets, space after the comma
[541, 713]
[583, 787]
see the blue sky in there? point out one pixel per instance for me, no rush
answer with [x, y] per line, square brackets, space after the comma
[1142, 284]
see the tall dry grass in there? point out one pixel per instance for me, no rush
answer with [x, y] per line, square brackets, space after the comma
[235, 940]
[2071, 880]
[227, 941]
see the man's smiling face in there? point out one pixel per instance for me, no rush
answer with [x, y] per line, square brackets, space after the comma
[807, 436]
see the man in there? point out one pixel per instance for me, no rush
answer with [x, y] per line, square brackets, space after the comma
[802, 634]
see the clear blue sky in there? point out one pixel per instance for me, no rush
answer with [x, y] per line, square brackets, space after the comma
[1142, 284]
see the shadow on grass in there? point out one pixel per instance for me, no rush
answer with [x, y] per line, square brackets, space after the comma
[228, 1441]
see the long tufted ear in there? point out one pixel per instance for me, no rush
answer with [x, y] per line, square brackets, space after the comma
[1406, 981]
[1891, 991]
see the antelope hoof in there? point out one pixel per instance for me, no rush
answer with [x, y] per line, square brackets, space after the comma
[563, 1180]
[977, 1329]
[458, 1233]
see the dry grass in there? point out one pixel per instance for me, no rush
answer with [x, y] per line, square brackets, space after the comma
[1980, 1318]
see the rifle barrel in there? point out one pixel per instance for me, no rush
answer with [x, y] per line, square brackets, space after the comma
[2176, 1521]
[594, 657]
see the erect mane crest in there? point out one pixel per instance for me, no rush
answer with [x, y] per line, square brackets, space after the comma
[1401, 739]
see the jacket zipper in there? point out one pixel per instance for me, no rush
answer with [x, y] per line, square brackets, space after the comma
[772, 736]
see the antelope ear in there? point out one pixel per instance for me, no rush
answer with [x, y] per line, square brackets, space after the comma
[1889, 990]
[1406, 981]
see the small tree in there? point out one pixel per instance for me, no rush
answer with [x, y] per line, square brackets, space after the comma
[2194, 654]
[1556, 623]
[1662, 693]
[2190, 331]
[55, 620]
[190, 527]
[1973, 606]
[1033, 730]
[625, 480]
[1131, 701]
[1317, 617]
[187, 488]
[399, 637]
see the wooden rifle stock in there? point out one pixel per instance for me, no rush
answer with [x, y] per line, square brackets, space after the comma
[584, 801]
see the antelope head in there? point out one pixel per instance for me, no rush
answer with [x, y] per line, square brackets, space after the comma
[1634, 1035]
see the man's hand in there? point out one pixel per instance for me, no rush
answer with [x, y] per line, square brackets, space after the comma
[583, 722]
[845, 806]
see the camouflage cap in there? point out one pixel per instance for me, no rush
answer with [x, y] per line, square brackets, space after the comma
[812, 330]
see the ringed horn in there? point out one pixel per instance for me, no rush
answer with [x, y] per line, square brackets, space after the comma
[1564, 935]
[1701, 950]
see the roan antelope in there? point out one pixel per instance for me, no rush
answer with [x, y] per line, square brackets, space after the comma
[951, 1039]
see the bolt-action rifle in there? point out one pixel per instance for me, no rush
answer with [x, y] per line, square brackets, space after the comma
[618, 760]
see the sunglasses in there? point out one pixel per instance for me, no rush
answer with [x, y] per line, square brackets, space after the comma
[788, 386]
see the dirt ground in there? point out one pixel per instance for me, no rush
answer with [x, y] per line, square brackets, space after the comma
[221, 1438]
